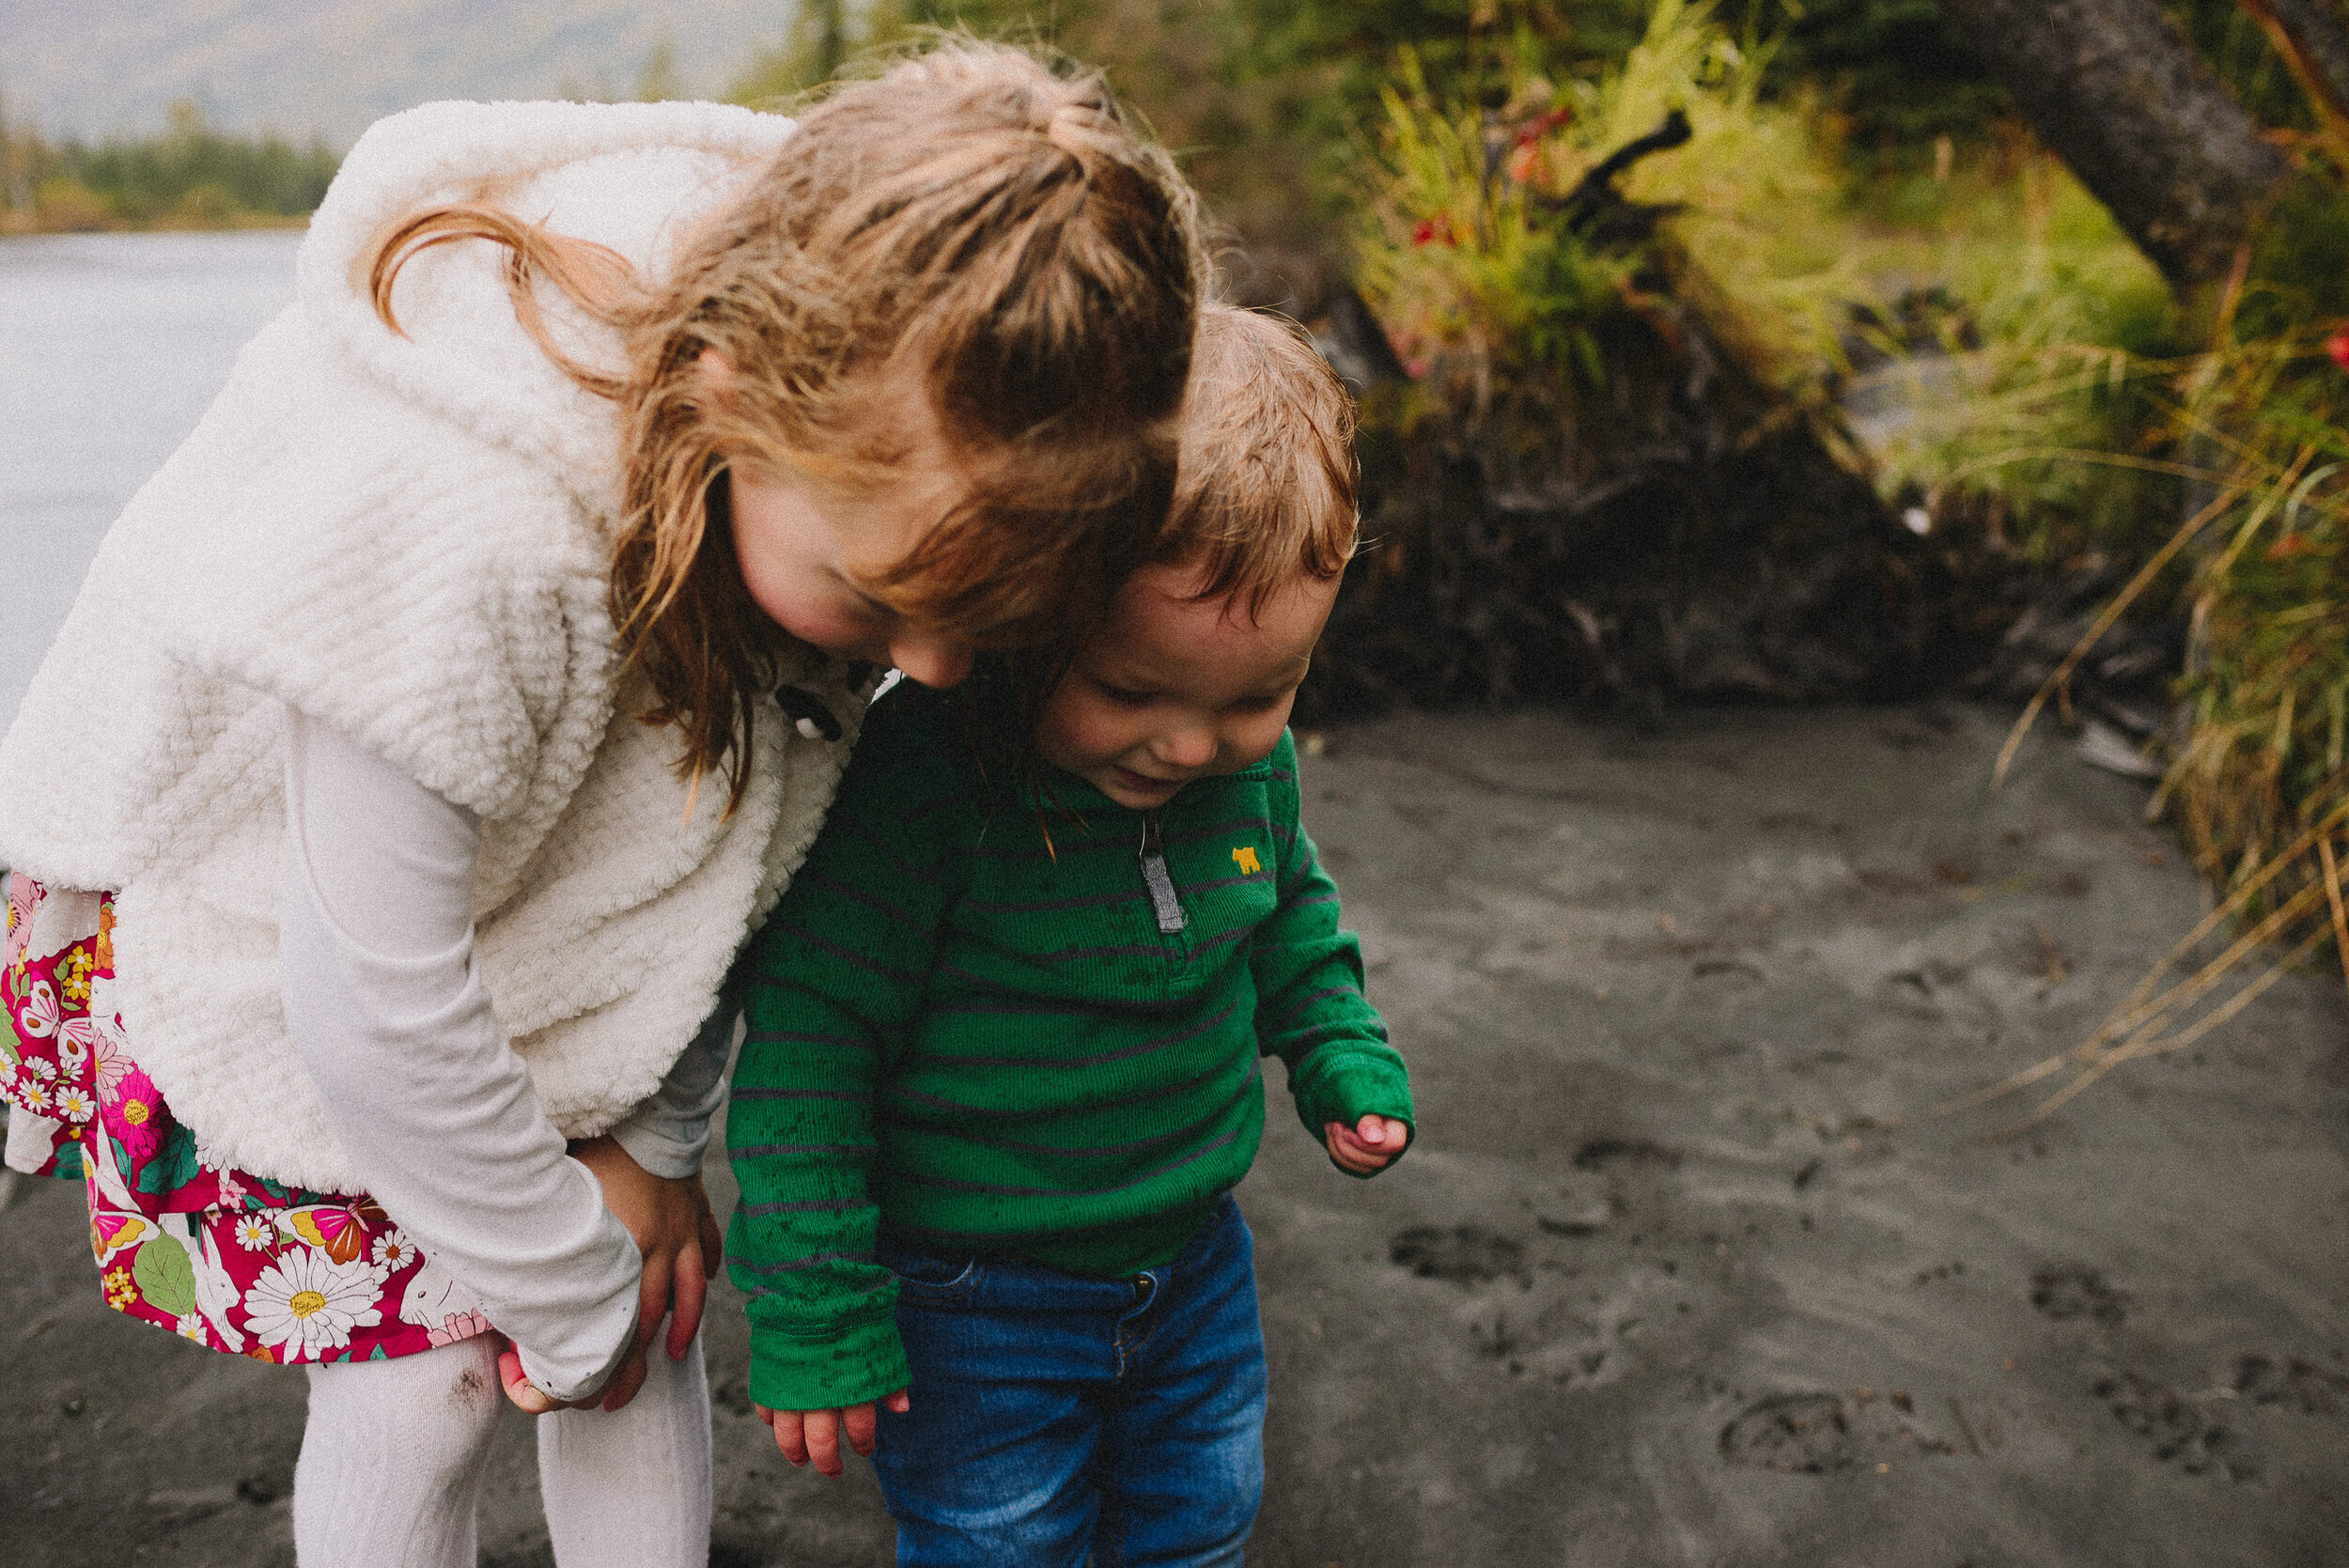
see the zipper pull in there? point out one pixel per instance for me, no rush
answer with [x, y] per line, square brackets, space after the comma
[1155, 876]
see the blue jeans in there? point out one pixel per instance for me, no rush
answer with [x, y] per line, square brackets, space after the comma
[1059, 1421]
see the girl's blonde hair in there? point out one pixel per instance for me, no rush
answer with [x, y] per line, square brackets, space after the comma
[969, 215]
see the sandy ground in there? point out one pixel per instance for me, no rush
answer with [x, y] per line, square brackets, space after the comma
[1652, 1288]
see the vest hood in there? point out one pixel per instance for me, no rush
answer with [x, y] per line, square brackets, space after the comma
[634, 176]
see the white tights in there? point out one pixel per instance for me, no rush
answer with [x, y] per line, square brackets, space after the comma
[393, 1456]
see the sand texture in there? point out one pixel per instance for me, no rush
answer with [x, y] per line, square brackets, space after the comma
[1658, 1285]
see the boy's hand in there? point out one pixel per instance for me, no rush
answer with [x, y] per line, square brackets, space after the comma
[814, 1435]
[679, 1237]
[1371, 1144]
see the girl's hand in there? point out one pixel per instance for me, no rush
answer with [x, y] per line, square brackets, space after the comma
[534, 1401]
[1370, 1145]
[805, 1435]
[679, 1237]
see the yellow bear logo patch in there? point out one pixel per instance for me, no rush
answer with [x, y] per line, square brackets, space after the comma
[1245, 858]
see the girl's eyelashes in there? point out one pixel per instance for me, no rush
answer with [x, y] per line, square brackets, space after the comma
[862, 604]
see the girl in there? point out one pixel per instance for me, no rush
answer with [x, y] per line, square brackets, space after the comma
[433, 726]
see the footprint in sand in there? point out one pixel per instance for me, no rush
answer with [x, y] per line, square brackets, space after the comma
[1461, 1255]
[2177, 1430]
[2296, 1385]
[1822, 1433]
[1800, 1434]
[1602, 1154]
[2068, 1291]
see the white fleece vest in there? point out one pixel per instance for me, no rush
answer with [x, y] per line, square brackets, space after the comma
[407, 539]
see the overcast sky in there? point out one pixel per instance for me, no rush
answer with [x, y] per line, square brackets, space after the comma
[328, 68]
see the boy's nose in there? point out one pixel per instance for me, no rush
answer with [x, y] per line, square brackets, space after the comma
[932, 661]
[1187, 747]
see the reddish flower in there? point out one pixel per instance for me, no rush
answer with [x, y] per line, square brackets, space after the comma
[2297, 543]
[135, 1115]
[1543, 125]
[2338, 346]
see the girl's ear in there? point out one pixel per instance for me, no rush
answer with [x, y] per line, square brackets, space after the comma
[717, 374]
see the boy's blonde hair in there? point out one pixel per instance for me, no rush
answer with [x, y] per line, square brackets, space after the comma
[969, 215]
[1265, 482]
[1265, 494]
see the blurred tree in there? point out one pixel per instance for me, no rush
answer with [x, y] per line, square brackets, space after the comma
[148, 179]
[660, 81]
[821, 42]
[2114, 87]
[16, 175]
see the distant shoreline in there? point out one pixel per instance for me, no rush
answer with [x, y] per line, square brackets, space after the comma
[14, 223]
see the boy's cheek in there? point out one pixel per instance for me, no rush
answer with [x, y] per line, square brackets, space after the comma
[1071, 735]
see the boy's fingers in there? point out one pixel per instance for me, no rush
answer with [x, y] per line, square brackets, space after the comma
[899, 1402]
[764, 1414]
[791, 1435]
[860, 1421]
[1372, 1130]
[823, 1442]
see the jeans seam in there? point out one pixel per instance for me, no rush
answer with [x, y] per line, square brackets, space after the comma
[1125, 1340]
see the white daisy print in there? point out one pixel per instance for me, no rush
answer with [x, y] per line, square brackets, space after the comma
[305, 1303]
[74, 1105]
[257, 1233]
[394, 1251]
[41, 1067]
[33, 1095]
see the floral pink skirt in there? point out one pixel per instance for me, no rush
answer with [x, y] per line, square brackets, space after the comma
[230, 1260]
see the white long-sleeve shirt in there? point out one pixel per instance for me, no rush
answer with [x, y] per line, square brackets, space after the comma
[423, 1089]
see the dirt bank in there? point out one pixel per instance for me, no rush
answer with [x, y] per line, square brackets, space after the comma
[1648, 1290]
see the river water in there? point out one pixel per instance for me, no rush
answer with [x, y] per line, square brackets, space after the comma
[111, 348]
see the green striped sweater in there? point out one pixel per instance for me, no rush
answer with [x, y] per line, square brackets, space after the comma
[985, 1044]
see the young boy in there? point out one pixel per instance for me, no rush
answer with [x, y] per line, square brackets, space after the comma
[986, 1126]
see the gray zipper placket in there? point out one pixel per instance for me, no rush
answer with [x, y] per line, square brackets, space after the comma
[1168, 907]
